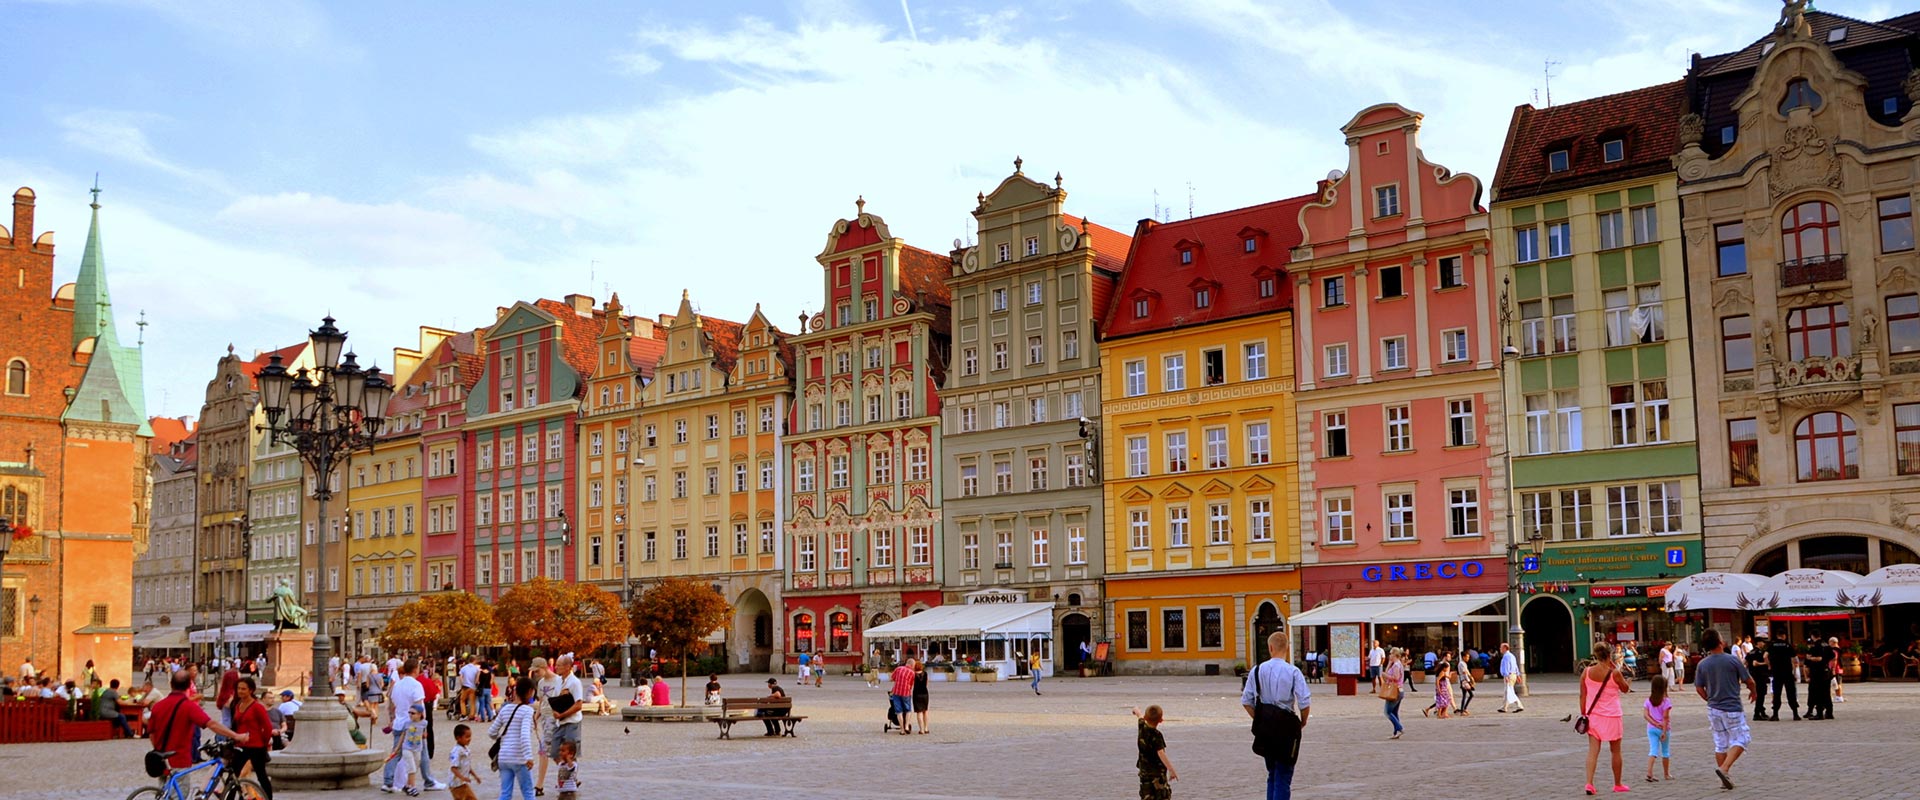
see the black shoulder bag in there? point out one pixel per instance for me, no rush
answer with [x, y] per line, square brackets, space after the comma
[156, 760]
[493, 753]
[1276, 729]
[1580, 725]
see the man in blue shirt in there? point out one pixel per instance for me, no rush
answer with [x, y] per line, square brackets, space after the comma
[1277, 682]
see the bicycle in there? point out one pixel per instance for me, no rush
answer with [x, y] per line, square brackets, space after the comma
[222, 783]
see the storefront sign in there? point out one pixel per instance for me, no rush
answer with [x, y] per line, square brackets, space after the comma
[987, 596]
[1645, 558]
[1423, 571]
[1623, 631]
[1619, 591]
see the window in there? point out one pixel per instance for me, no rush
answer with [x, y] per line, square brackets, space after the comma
[766, 419]
[837, 471]
[679, 431]
[1335, 356]
[596, 445]
[1186, 255]
[917, 466]
[1612, 227]
[1386, 201]
[1176, 443]
[1076, 544]
[1037, 474]
[1174, 372]
[1896, 224]
[1736, 343]
[969, 480]
[1002, 414]
[1613, 150]
[1000, 295]
[1076, 470]
[1003, 252]
[1041, 549]
[1635, 316]
[1460, 423]
[1810, 232]
[1906, 438]
[648, 488]
[1731, 248]
[1336, 434]
[1259, 444]
[1214, 442]
[1002, 549]
[1818, 331]
[1219, 524]
[969, 419]
[999, 355]
[1800, 95]
[680, 484]
[1247, 245]
[1567, 420]
[1903, 324]
[883, 547]
[839, 546]
[1069, 344]
[1559, 239]
[1213, 365]
[1136, 378]
[1663, 507]
[1033, 287]
[1557, 161]
[1393, 353]
[882, 466]
[713, 541]
[619, 443]
[1138, 531]
[16, 377]
[740, 422]
[1646, 225]
[1743, 451]
[1036, 350]
[1173, 629]
[1539, 425]
[969, 361]
[1453, 346]
[1399, 516]
[1390, 284]
[766, 536]
[1253, 361]
[1526, 244]
[1826, 447]
[843, 412]
[1453, 272]
[1074, 408]
[873, 408]
[1726, 134]
[1533, 327]
[805, 555]
[1333, 291]
[1002, 477]
[920, 546]
[902, 404]
[1140, 307]
[652, 437]
[803, 475]
[1179, 527]
[1576, 514]
[1623, 415]
[1399, 428]
[1655, 424]
[1536, 515]
[1623, 510]
[1136, 456]
[1463, 512]
[1137, 631]
[1203, 297]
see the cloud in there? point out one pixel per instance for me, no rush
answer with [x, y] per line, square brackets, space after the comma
[120, 134]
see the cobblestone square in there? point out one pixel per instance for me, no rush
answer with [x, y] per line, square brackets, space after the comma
[999, 740]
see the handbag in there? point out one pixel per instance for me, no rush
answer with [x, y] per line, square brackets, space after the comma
[156, 763]
[1580, 725]
[1389, 690]
[1276, 729]
[493, 753]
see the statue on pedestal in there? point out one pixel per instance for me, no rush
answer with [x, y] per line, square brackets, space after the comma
[287, 613]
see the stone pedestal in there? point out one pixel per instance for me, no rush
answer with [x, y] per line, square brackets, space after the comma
[322, 755]
[289, 656]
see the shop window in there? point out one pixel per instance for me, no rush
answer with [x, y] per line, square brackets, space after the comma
[1137, 631]
[1211, 635]
[803, 633]
[1173, 629]
[839, 632]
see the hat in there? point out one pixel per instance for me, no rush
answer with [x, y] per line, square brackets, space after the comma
[418, 709]
[287, 693]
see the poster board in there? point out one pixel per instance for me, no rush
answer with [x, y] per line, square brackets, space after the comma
[1345, 652]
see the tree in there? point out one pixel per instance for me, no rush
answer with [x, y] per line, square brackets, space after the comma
[563, 617]
[441, 623]
[675, 616]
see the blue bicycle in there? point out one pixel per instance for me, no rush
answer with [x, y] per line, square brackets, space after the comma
[223, 782]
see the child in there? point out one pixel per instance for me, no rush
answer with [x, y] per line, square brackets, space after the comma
[410, 748]
[1659, 713]
[1443, 691]
[1156, 770]
[569, 784]
[462, 762]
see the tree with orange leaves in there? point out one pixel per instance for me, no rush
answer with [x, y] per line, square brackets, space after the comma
[561, 617]
[445, 622]
[676, 615]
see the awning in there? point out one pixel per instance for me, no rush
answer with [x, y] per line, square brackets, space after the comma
[1404, 610]
[250, 632]
[971, 622]
[1887, 586]
[1722, 590]
[1809, 616]
[161, 639]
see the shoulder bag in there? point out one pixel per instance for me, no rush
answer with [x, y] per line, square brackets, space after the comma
[1580, 725]
[1389, 689]
[156, 760]
[493, 753]
[1276, 729]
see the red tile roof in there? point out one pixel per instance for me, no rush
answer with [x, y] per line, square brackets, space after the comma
[579, 336]
[287, 355]
[921, 271]
[1648, 120]
[168, 431]
[645, 352]
[1109, 246]
[724, 337]
[1220, 262]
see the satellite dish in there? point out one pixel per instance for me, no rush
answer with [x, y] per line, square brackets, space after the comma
[956, 244]
[1334, 174]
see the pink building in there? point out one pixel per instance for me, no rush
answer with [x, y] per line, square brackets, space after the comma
[453, 369]
[1399, 391]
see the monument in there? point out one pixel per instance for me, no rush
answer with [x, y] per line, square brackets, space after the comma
[290, 645]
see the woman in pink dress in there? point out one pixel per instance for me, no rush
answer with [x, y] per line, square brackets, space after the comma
[1600, 688]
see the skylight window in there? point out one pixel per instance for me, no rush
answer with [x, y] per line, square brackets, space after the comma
[1557, 161]
[1837, 35]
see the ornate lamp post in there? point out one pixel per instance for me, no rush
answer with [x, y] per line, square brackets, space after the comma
[1534, 543]
[325, 415]
[6, 546]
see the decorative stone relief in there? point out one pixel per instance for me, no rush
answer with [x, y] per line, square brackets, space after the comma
[1805, 160]
[1897, 515]
[1692, 128]
[1734, 297]
[1762, 525]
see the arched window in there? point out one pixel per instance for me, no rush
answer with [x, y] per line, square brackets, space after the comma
[1810, 232]
[1827, 447]
[839, 632]
[16, 377]
[1800, 94]
[803, 633]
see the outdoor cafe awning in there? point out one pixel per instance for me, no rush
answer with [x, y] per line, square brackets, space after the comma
[161, 639]
[1405, 610]
[978, 621]
[250, 632]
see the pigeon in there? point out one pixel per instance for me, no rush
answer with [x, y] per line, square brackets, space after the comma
[1567, 718]
[627, 731]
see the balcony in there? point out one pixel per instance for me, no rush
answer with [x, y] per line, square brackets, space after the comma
[1819, 381]
[1813, 269]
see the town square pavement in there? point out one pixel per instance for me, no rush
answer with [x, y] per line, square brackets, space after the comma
[999, 740]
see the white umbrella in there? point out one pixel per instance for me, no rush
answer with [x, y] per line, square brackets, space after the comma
[1710, 590]
[1899, 583]
[1802, 588]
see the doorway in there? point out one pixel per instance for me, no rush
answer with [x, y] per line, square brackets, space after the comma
[1549, 628]
[1075, 629]
[1265, 622]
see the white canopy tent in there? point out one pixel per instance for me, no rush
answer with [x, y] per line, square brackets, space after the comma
[1710, 590]
[161, 639]
[1804, 588]
[249, 632]
[1887, 586]
[984, 630]
[1449, 609]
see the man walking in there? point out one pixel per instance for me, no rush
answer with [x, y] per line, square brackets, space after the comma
[1509, 675]
[405, 693]
[469, 673]
[1780, 656]
[1718, 678]
[566, 727]
[1375, 658]
[901, 696]
[1277, 682]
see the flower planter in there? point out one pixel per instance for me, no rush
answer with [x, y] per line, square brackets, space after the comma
[1419, 676]
[985, 677]
[1478, 673]
[89, 731]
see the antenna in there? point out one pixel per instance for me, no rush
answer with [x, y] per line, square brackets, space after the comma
[1546, 72]
[1156, 204]
[143, 327]
[1189, 199]
[592, 273]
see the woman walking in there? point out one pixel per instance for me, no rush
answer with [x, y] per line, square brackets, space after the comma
[920, 696]
[250, 718]
[1465, 675]
[1600, 688]
[514, 727]
[1392, 681]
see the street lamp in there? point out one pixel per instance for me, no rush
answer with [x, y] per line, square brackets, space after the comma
[1517, 637]
[626, 594]
[6, 546]
[324, 415]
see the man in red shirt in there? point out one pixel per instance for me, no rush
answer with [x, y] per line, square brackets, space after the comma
[902, 695]
[430, 684]
[176, 720]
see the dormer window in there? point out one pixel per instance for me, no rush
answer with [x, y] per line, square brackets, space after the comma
[1267, 286]
[1202, 297]
[1727, 134]
[1557, 161]
[1140, 308]
[1837, 35]
[1800, 94]
[1249, 245]
[1613, 150]
[1186, 256]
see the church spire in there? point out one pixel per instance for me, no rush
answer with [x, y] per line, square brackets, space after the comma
[112, 390]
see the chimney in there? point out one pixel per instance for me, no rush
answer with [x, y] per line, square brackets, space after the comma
[666, 320]
[23, 215]
[499, 313]
[582, 304]
[642, 327]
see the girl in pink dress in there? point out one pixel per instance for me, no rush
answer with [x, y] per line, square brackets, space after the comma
[1600, 688]
[1443, 690]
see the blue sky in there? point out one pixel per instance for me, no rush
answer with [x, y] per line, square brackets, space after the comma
[405, 164]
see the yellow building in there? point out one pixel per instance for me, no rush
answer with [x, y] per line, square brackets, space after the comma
[1200, 471]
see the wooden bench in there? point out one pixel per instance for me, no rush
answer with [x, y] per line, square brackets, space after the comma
[737, 711]
[669, 713]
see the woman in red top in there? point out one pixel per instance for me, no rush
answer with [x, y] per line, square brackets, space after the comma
[250, 718]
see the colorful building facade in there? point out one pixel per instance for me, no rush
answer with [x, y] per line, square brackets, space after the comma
[454, 368]
[384, 553]
[274, 481]
[1197, 437]
[1399, 404]
[628, 349]
[163, 575]
[864, 447]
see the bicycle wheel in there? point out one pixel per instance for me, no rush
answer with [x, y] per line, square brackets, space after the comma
[145, 793]
[244, 789]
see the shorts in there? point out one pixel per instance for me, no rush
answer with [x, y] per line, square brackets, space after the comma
[1373, 672]
[1154, 786]
[461, 792]
[1729, 729]
[1659, 743]
[565, 732]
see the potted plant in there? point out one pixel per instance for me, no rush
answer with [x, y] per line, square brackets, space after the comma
[1853, 662]
[984, 674]
[1240, 669]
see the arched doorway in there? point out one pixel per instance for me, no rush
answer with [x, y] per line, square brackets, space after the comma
[1075, 629]
[752, 633]
[1549, 626]
[1266, 620]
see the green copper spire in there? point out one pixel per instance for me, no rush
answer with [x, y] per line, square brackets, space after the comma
[113, 388]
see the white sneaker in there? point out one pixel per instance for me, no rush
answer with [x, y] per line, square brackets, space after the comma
[436, 786]
[387, 789]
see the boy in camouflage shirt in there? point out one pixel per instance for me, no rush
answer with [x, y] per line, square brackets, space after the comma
[1156, 770]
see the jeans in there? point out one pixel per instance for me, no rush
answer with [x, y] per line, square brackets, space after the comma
[1279, 780]
[120, 725]
[511, 774]
[426, 766]
[1393, 714]
[1036, 681]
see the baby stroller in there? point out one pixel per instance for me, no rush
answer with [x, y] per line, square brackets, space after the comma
[893, 719]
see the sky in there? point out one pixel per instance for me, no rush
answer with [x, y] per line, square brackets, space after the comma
[266, 162]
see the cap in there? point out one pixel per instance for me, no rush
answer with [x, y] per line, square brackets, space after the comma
[286, 692]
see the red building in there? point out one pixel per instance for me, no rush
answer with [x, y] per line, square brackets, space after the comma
[451, 371]
[863, 445]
